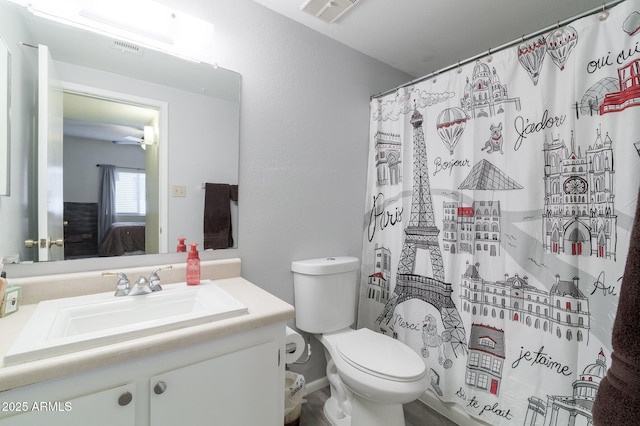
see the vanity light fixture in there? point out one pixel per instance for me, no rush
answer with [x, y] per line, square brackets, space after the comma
[142, 22]
[141, 18]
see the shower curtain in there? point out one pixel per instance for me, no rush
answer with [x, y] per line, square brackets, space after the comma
[500, 198]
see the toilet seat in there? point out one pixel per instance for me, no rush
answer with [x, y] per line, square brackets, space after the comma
[380, 355]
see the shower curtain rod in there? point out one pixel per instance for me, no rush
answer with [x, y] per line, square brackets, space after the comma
[602, 8]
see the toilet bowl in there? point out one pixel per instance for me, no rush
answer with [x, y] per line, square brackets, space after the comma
[380, 374]
[371, 375]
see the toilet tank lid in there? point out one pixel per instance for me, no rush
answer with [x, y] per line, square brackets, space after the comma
[326, 265]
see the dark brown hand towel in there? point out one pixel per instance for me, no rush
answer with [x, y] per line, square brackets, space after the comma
[217, 215]
[618, 398]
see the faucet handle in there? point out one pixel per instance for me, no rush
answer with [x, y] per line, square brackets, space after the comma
[154, 278]
[123, 285]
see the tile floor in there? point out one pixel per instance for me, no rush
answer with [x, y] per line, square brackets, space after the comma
[416, 413]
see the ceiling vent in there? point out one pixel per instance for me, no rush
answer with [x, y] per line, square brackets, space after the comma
[328, 10]
[126, 47]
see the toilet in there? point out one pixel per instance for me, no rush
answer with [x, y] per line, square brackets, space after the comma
[371, 375]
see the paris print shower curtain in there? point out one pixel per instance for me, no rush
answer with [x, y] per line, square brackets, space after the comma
[500, 198]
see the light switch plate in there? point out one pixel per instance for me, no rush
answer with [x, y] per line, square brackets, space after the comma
[179, 191]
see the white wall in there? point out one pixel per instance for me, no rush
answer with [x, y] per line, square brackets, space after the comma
[81, 176]
[203, 150]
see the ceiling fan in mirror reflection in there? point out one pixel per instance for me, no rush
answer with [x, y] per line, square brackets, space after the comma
[143, 22]
[147, 138]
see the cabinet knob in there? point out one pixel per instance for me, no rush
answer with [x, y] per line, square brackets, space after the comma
[124, 399]
[159, 388]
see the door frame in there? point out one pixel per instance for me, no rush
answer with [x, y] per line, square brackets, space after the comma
[162, 141]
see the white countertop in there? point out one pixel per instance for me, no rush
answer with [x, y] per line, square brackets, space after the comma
[263, 309]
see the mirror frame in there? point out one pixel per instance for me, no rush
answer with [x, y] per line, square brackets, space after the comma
[5, 118]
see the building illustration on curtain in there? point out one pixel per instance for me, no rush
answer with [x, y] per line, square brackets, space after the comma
[486, 176]
[484, 95]
[378, 282]
[471, 229]
[573, 409]
[629, 84]
[579, 214]
[563, 311]
[422, 233]
[590, 102]
[388, 158]
[486, 358]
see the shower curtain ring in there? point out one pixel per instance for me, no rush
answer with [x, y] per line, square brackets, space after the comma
[523, 45]
[604, 14]
[489, 58]
[558, 31]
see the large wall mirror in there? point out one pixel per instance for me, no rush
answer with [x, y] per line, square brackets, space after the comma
[169, 126]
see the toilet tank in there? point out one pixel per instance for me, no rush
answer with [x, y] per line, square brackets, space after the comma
[325, 293]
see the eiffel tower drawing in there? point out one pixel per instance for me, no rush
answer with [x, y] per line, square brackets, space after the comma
[422, 233]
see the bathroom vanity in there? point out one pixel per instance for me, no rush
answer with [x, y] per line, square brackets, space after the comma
[229, 371]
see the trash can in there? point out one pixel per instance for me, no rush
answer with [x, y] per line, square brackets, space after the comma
[293, 397]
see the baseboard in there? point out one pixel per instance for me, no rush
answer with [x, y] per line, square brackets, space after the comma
[315, 385]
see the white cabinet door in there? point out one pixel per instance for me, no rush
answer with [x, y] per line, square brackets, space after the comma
[241, 388]
[115, 406]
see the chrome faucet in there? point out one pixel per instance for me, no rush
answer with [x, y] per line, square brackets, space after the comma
[154, 278]
[141, 286]
[123, 286]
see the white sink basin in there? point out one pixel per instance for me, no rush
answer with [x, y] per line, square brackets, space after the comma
[63, 326]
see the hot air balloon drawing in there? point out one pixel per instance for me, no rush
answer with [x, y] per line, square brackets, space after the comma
[531, 56]
[450, 124]
[560, 43]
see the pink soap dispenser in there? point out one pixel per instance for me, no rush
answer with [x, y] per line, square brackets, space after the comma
[182, 247]
[193, 266]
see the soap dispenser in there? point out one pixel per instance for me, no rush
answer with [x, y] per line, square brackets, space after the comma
[193, 266]
[182, 247]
